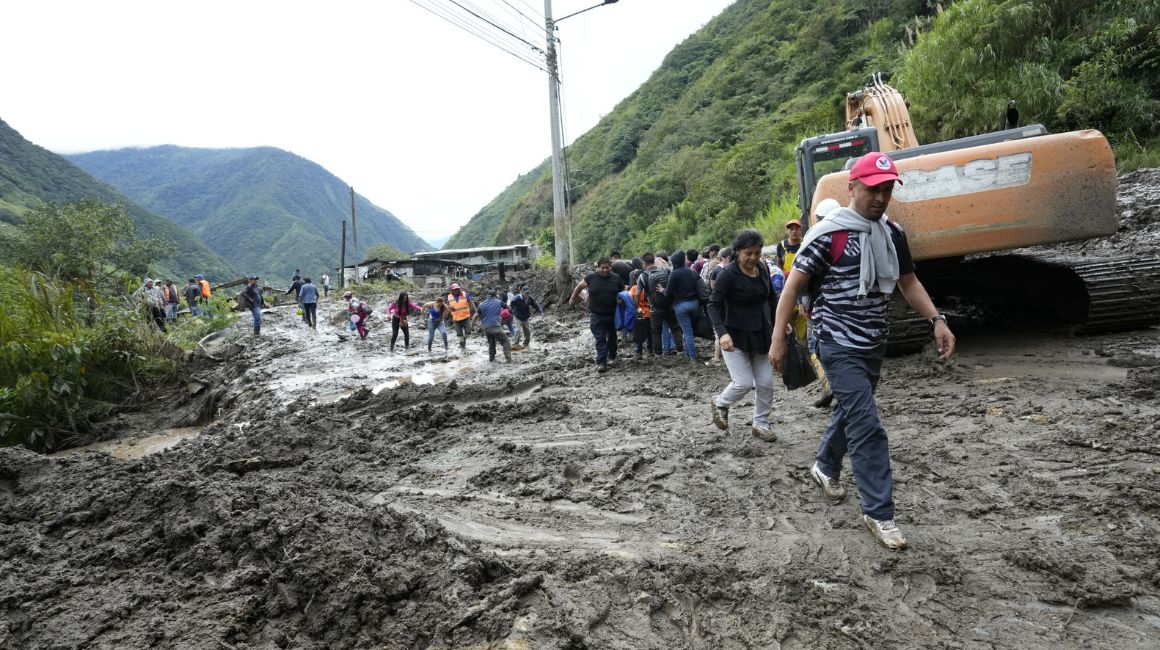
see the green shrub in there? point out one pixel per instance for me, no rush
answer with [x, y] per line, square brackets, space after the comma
[67, 358]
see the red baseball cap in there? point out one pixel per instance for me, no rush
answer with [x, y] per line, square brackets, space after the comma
[874, 168]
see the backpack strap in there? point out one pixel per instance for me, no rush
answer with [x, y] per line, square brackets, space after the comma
[838, 245]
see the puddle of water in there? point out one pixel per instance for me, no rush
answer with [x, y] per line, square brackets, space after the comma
[331, 398]
[139, 448]
[422, 378]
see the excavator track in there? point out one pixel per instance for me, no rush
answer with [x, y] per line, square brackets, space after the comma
[1047, 291]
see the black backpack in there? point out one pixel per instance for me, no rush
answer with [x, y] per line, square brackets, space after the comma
[657, 299]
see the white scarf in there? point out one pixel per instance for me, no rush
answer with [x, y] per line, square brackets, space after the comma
[879, 268]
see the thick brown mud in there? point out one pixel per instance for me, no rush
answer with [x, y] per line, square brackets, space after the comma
[347, 497]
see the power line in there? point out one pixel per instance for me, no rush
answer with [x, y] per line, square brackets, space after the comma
[475, 30]
[504, 30]
[540, 23]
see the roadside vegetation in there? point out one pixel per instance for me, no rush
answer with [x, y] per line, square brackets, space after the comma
[706, 145]
[75, 345]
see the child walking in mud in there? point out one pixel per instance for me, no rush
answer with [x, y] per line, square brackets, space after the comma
[358, 316]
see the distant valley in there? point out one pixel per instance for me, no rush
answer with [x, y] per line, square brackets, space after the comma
[265, 210]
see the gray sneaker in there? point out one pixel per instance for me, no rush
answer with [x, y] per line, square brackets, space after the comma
[720, 414]
[830, 486]
[764, 433]
[886, 532]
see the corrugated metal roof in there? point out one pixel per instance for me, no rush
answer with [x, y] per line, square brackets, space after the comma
[459, 251]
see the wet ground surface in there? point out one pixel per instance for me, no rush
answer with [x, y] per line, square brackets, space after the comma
[347, 497]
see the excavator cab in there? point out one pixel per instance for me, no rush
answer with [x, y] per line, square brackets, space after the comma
[825, 154]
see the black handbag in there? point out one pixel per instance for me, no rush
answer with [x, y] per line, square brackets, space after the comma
[796, 371]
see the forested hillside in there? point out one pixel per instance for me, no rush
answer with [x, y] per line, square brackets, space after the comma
[705, 146]
[267, 210]
[31, 175]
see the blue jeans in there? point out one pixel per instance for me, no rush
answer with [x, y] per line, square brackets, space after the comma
[257, 314]
[687, 311]
[436, 326]
[854, 426]
[667, 344]
[604, 331]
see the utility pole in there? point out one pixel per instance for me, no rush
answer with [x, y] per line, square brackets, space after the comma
[354, 231]
[342, 259]
[561, 219]
[563, 250]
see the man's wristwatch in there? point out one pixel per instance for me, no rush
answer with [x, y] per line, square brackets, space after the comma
[936, 318]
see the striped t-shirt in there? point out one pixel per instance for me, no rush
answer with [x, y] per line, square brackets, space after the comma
[838, 314]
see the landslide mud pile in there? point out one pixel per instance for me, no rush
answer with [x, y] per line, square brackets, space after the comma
[345, 497]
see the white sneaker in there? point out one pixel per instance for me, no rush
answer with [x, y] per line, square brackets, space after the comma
[885, 532]
[830, 486]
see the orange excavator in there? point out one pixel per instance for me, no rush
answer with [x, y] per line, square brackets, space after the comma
[962, 201]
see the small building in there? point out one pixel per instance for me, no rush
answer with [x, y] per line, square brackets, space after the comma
[423, 273]
[514, 257]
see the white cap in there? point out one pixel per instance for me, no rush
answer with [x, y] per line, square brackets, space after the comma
[826, 207]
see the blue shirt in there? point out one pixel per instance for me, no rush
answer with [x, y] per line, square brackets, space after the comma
[308, 293]
[489, 312]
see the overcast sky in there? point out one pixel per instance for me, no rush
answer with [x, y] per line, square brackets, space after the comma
[421, 118]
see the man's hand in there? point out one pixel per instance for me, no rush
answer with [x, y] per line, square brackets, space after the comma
[777, 353]
[726, 343]
[944, 339]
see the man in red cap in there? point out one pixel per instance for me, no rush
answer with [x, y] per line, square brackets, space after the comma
[850, 263]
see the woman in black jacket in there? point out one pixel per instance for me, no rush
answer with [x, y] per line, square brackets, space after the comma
[741, 308]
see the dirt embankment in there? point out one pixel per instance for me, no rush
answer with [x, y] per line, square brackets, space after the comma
[347, 497]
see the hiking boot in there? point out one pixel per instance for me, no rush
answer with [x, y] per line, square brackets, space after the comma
[764, 433]
[885, 532]
[830, 486]
[720, 415]
[601, 367]
[824, 401]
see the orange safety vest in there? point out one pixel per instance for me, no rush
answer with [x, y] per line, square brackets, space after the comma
[205, 290]
[640, 301]
[461, 308]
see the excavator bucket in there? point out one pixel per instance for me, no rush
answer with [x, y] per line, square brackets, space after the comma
[1038, 190]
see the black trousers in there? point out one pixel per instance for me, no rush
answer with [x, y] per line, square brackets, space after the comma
[396, 325]
[657, 319]
[310, 314]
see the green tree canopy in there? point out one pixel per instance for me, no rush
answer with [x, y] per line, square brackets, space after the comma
[384, 252]
[81, 241]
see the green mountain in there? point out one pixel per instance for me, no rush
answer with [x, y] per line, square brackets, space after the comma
[31, 175]
[705, 146]
[267, 210]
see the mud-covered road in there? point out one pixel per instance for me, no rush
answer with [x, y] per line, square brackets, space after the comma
[345, 497]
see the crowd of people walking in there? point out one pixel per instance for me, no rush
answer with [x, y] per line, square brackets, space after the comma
[826, 290]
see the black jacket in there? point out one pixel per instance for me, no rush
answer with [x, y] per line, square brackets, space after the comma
[522, 309]
[734, 306]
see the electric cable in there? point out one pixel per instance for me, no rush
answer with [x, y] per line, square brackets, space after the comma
[475, 30]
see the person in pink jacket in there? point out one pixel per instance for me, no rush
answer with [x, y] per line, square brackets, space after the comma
[358, 316]
[399, 311]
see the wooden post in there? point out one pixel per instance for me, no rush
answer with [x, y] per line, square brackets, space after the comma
[354, 233]
[342, 259]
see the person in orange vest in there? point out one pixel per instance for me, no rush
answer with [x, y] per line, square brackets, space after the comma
[461, 307]
[206, 293]
[172, 299]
